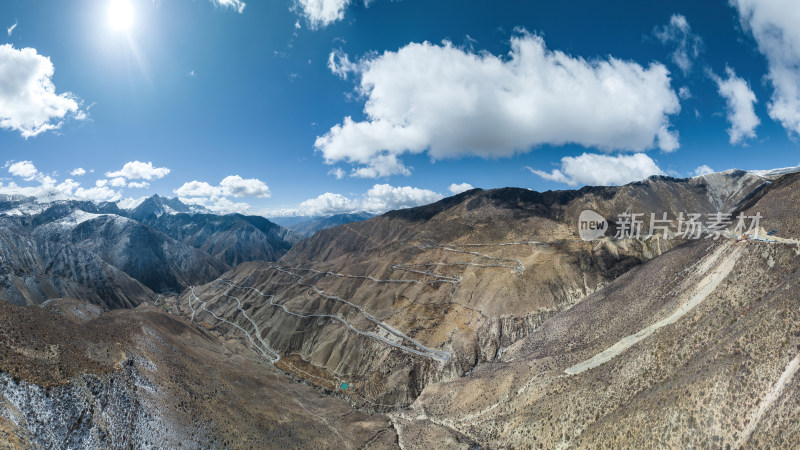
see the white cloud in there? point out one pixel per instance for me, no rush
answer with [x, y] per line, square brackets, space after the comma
[236, 186]
[688, 45]
[379, 199]
[28, 172]
[773, 24]
[337, 172]
[23, 169]
[97, 194]
[46, 180]
[340, 65]
[237, 5]
[602, 170]
[197, 189]
[68, 186]
[138, 185]
[703, 170]
[28, 100]
[225, 206]
[231, 186]
[321, 13]
[328, 204]
[216, 199]
[137, 170]
[14, 189]
[684, 93]
[452, 102]
[459, 188]
[12, 27]
[220, 205]
[67, 190]
[383, 197]
[78, 172]
[49, 189]
[382, 165]
[740, 100]
[118, 182]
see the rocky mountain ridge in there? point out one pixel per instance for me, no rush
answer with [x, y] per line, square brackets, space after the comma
[102, 254]
[468, 276]
[479, 320]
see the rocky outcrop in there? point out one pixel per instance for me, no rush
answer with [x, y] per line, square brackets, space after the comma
[109, 411]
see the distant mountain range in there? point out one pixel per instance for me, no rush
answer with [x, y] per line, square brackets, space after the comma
[308, 225]
[120, 257]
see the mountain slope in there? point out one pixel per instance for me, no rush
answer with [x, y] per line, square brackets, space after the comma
[156, 260]
[232, 238]
[776, 206]
[136, 243]
[491, 216]
[695, 348]
[699, 347]
[35, 268]
[71, 376]
[423, 294]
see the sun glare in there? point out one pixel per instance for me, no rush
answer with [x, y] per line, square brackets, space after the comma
[120, 15]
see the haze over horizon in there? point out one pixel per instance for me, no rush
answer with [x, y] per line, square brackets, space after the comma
[315, 108]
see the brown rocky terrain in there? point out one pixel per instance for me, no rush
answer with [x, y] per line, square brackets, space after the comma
[480, 320]
[777, 204]
[34, 269]
[78, 377]
[467, 277]
[697, 348]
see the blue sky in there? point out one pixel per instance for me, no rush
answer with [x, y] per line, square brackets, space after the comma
[233, 99]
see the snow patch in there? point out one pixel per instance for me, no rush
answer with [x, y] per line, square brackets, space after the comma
[131, 203]
[774, 173]
[78, 217]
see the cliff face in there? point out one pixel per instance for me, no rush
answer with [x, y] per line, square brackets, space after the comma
[90, 412]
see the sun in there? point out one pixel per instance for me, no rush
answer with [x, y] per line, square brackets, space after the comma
[120, 15]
